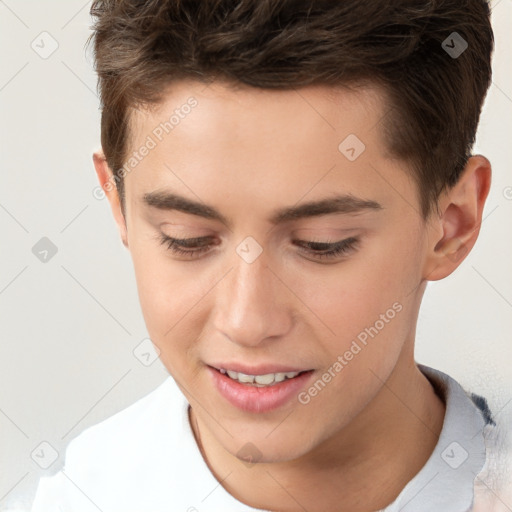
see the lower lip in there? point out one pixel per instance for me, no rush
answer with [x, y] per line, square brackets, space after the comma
[258, 399]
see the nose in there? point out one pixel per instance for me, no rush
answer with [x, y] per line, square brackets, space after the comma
[252, 304]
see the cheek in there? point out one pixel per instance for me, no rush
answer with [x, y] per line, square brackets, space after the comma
[353, 294]
[169, 294]
[366, 300]
[369, 317]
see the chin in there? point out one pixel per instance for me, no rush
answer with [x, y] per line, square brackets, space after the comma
[261, 449]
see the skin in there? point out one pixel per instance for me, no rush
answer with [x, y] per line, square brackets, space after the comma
[248, 152]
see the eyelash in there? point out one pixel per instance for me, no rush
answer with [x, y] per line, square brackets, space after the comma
[328, 250]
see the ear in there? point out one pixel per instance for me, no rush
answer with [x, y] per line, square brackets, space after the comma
[454, 233]
[108, 185]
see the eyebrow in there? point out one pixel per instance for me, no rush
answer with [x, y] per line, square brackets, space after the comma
[344, 204]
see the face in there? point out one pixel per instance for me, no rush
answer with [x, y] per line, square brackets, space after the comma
[271, 234]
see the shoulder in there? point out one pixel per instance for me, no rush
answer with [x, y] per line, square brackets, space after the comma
[489, 433]
[132, 426]
[133, 416]
[493, 485]
[107, 464]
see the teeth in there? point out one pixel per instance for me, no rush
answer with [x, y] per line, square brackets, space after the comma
[242, 377]
[259, 380]
[265, 379]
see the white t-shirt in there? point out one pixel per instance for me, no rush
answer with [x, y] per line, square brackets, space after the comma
[145, 459]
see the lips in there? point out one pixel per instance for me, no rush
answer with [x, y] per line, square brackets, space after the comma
[258, 389]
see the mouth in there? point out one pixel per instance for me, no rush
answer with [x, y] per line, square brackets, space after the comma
[261, 380]
[259, 389]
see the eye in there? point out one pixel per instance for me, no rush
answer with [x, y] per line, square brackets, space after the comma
[186, 246]
[328, 250]
[193, 247]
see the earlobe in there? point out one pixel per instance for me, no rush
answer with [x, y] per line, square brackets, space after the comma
[108, 185]
[459, 223]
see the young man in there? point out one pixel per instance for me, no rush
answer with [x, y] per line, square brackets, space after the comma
[288, 176]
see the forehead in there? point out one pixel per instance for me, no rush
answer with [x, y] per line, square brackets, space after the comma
[250, 146]
[225, 110]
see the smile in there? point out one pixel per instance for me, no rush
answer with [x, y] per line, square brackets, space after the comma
[261, 391]
[267, 379]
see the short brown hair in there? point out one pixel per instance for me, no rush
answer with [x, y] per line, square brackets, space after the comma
[141, 47]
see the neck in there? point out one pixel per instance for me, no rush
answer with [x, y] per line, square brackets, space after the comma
[362, 468]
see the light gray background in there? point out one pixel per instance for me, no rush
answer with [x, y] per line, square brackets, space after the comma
[69, 326]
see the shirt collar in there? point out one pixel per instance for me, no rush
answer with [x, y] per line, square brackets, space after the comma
[446, 481]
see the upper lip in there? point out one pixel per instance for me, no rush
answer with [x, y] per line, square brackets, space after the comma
[261, 369]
